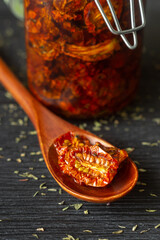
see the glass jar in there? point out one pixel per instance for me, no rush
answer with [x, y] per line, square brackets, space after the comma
[76, 66]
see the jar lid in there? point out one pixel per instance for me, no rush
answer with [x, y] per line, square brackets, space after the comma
[118, 31]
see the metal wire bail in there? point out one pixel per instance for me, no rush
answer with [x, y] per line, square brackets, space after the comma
[133, 30]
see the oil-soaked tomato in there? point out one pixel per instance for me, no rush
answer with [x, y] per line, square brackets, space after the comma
[92, 165]
[93, 18]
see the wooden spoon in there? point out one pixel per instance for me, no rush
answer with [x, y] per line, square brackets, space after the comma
[49, 127]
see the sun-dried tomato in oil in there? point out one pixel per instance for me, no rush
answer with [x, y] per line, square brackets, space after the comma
[92, 165]
[76, 66]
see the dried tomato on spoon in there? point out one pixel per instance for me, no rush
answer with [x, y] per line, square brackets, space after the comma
[92, 165]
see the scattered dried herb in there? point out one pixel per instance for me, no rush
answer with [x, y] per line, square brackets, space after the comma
[156, 120]
[35, 235]
[18, 160]
[136, 162]
[8, 95]
[69, 237]
[77, 206]
[151, 210]
[134, 228]
[96, 129]
[41, 159]
[142, 170]
[118, 232]
[141, 190]
[103, 239]
[25, 147]
[83, 125]
[155, 144]
[157, 226]
[43, 176]
[141, 183]
[43, 194]
[129, 149]
[97, 124]
[61, 203]
[35, 153]
[35, 194]
[88, 231]
[52, 189]
[145, 143]
[29, 175]
[121, 226]
[22, 154]
[153, 195]
[64, 209]
[41, 186]
[60, 191]
[40, 229]
[86, 212]
[107, 128]
[144, 231]
[32, 132]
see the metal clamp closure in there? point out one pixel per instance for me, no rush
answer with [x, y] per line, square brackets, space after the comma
[133, 30]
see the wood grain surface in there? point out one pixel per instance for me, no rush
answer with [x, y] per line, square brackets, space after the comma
[28, 210]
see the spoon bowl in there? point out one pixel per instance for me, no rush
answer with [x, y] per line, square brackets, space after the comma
[122, 183]
[49, 127]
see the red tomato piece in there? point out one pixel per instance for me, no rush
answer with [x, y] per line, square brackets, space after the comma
[92, 165]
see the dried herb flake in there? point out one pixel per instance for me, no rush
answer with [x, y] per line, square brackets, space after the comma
[130, 149]
[69, 237]
[151, 210]
[41, 186]
[64, 209]
[43, 176]
[141, 190]
[77, 206]
[60, 191]
[103, 239]
[142, 170]
[86, 212]
[121, 226]
[35, 235]
[40, 229]
[35, 193]
[29, 175]
[157, 226]
[52, 190]
[153, 195]
[61, 203]
[144, 231]
[118, 232]
[134, 228]
[89, 231]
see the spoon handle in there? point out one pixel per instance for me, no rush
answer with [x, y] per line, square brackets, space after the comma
[18, 91]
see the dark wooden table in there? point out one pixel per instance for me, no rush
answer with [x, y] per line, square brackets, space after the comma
[28, 210]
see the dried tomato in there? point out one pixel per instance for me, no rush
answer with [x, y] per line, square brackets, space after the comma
[69, 6]
[93, 18]
[92, 165]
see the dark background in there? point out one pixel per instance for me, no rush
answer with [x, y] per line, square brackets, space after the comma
[137, 126]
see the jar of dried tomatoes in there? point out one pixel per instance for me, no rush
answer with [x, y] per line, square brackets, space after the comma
[76, 66]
